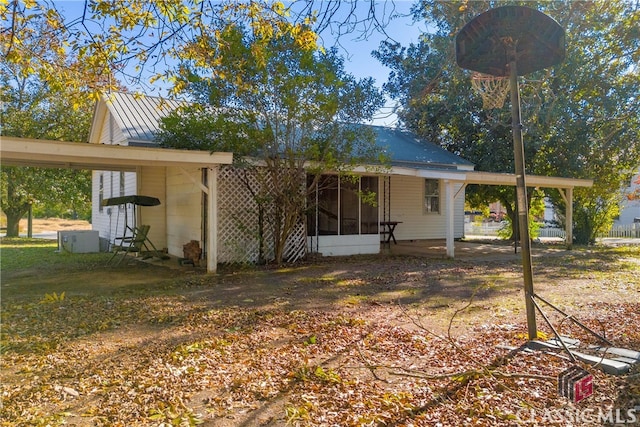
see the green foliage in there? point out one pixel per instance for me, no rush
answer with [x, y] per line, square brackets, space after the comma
[33, 107]
[134, 37]
[308, 373]
[293, 109]
[287, 101]
[580, 117]
[299, 414]
[52, 298]
[594, 213]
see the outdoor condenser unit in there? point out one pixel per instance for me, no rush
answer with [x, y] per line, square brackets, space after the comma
[79, 242]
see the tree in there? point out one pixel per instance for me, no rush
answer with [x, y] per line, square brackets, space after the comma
[292, 110]
[139, 41]
[33, 108]
[581, 117]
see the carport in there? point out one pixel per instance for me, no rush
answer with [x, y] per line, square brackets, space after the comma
[455, 181]
[75, 155]
[564, 186]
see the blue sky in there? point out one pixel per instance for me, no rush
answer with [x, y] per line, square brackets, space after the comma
[357, 51]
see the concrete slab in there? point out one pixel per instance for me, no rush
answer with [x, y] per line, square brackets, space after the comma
[610, 366]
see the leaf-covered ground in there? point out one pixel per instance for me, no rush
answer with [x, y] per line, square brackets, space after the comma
[385, 340]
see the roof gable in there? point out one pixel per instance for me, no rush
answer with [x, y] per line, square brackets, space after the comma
[137, 116]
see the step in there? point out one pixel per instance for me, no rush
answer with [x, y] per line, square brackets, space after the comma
[624, 352]
[610, 366]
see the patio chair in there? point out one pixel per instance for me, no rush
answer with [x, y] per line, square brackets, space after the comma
[130, 244]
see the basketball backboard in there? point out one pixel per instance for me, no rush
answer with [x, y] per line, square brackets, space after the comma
[481, 47]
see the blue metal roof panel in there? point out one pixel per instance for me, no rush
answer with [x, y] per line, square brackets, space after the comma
[405, 148]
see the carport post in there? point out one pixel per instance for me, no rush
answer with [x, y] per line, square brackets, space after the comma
[450, 223]
[212, 220]
[569, 218]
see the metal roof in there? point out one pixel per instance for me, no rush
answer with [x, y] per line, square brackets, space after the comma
[406, 149]
[139, 115]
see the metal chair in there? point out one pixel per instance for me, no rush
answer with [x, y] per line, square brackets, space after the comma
[131, 244]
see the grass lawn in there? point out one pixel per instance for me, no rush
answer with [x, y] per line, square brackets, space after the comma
[370, 340]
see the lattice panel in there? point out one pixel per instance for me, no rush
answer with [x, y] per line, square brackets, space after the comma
[238, 222]
[237, 219]
[296, 246]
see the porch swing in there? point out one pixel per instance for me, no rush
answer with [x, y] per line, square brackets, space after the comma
[134, 238]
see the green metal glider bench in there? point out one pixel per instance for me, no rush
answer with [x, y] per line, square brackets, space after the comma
[137, 243]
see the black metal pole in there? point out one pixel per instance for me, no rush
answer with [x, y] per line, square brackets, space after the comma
[521, 191]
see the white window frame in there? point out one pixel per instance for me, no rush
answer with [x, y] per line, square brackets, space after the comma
[426, 207]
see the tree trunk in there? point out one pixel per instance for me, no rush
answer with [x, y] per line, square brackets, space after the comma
[13, 223]
[513, 218]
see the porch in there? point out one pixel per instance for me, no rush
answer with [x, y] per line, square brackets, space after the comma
[471, 249]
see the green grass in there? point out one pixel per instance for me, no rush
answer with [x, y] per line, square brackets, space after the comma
[32, 268]
[22, 254]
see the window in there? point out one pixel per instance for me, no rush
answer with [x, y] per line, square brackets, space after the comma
[337, 208]
[121, 184]
[101, 193]
[369, 211]
[431, 196]
[327, 206]
[349, 203]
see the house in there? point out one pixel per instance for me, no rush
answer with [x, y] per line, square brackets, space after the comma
[202, 198]
[412, 194]
[630, 205]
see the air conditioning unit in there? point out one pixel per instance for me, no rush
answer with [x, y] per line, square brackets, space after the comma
[79, 242]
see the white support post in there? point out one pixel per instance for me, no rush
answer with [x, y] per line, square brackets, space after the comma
[450, 217]
[212, 220]
[568, 227]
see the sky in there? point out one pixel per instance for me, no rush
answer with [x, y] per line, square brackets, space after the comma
[355, 47]
[357, 51]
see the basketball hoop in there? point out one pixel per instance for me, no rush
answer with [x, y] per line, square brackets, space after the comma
[493, 89]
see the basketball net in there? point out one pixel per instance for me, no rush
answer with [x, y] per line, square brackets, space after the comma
[493, 89]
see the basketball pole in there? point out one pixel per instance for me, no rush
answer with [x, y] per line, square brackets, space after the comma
[521, 193]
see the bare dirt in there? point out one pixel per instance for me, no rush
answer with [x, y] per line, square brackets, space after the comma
[41, 225]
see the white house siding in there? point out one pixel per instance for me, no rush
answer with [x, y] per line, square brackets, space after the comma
[152, 183]
[406, 205]
[344, 245]
[629, 209]
[110, 220]
[183, 208]
[99, 219]
[110, 132]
